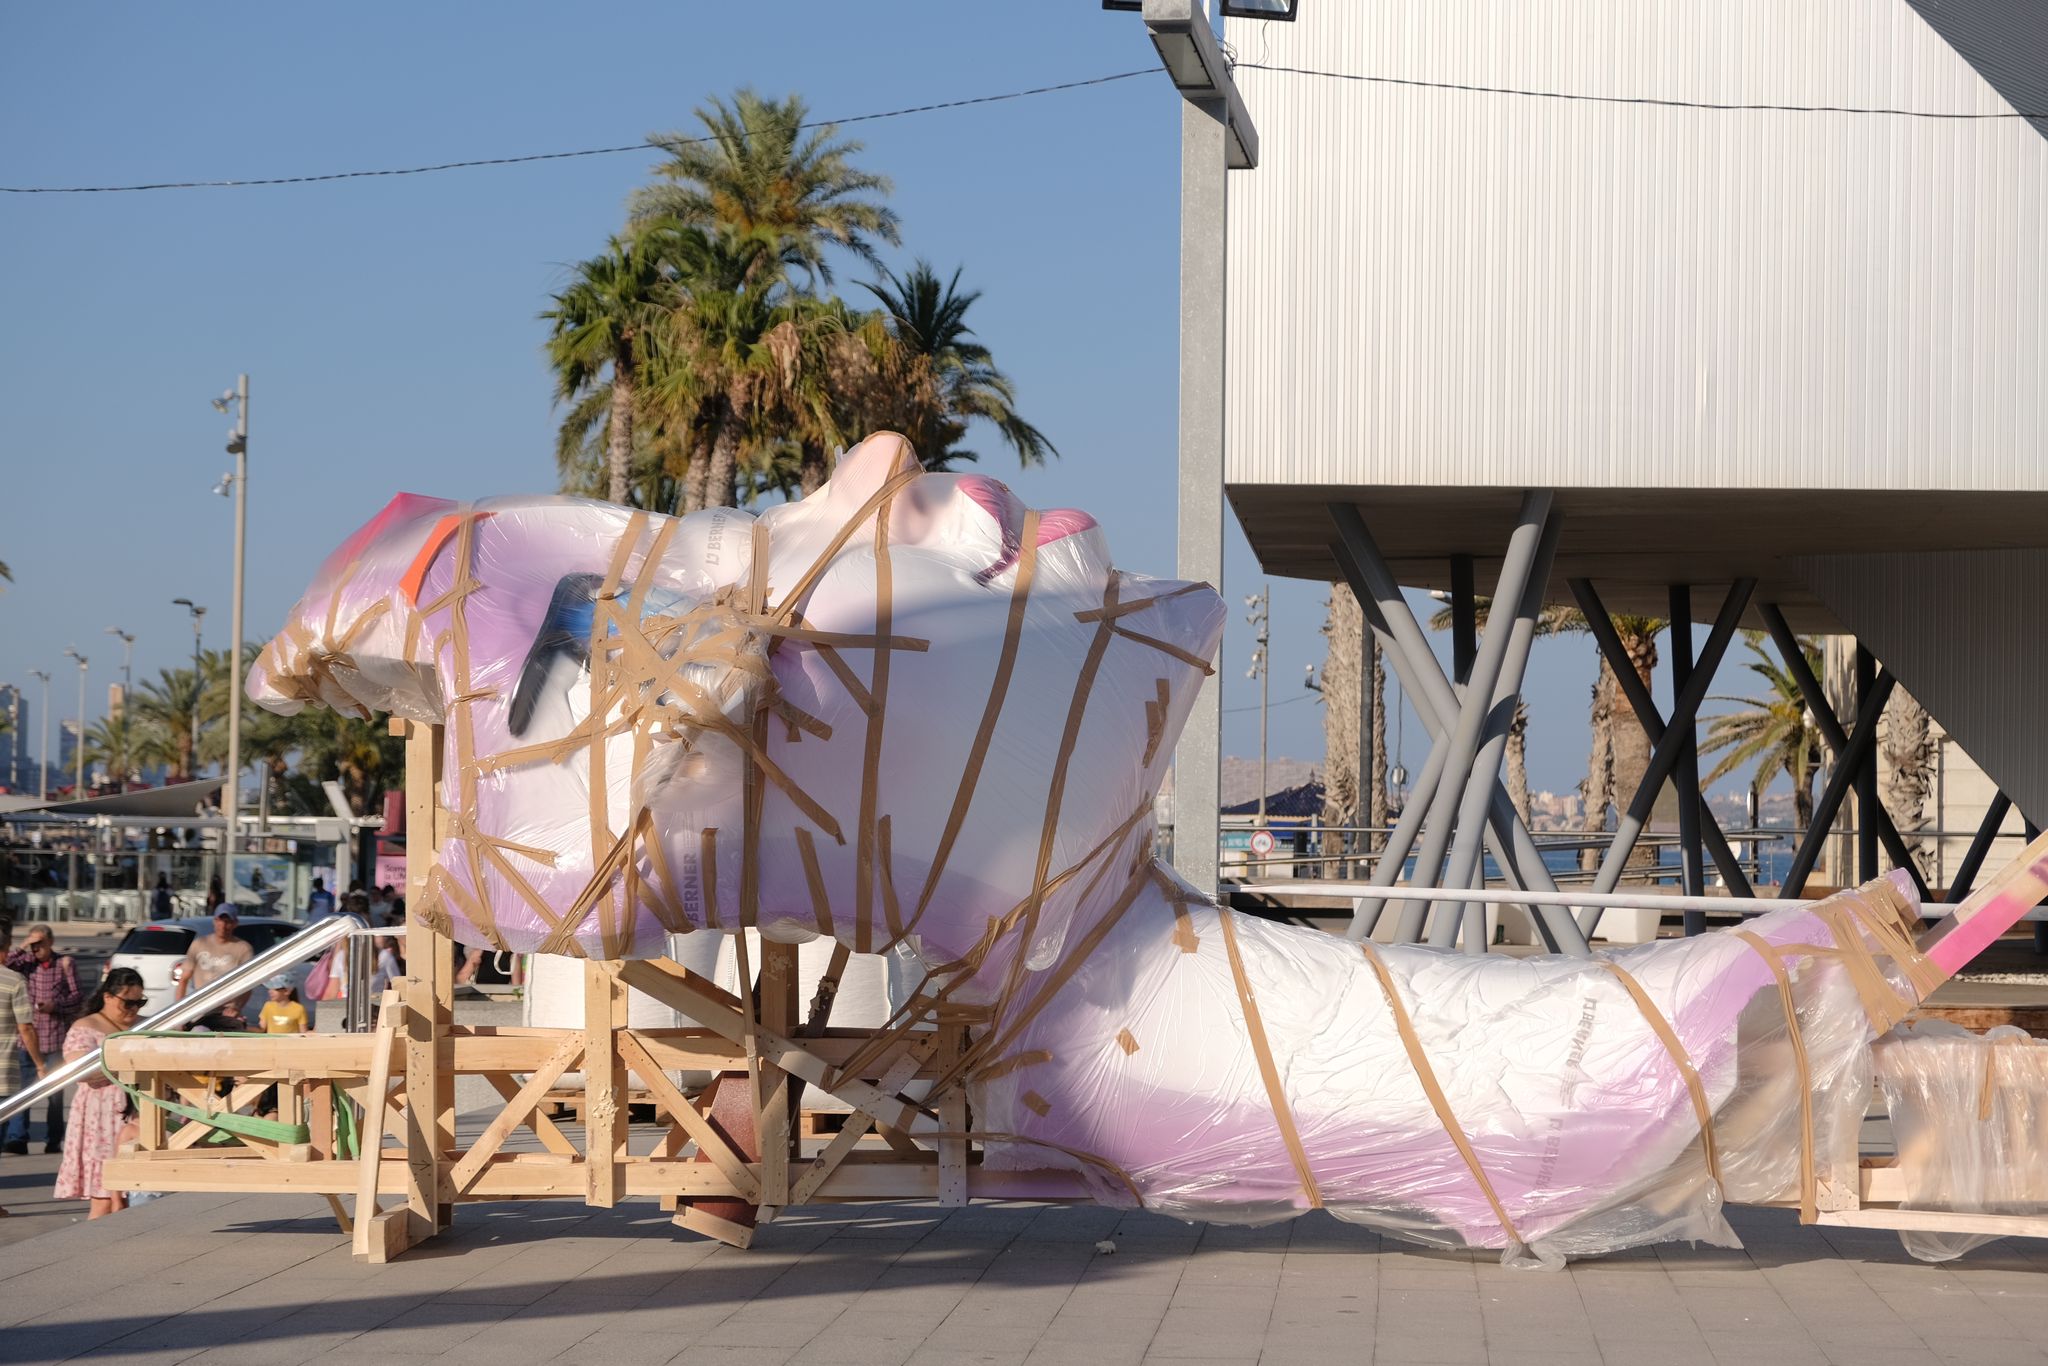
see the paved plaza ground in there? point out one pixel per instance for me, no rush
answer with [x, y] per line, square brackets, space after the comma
[266, 1280]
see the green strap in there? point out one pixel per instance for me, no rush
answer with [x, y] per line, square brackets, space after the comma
[226, 1124]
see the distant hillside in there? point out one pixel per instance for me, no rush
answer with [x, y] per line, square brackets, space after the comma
[1241, 777]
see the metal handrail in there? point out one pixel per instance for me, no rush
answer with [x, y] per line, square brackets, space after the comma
[306, 943]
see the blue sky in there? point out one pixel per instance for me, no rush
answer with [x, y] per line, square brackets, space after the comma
[389, 325]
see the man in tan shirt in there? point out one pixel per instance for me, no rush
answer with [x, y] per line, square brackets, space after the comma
[214, 957]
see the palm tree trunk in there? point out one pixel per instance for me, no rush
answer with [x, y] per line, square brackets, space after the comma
[1518, 760]
[1598, 789]
[1631, 743]
[724, 464]
[694, 476]
[1909, 746]
[1340, 683]
[619, 450]
[815, 469]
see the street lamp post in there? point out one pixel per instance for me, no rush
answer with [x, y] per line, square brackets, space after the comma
[127, 694]
[198, 679]
[238, 447]
[78, 749]
[1217, 136]
[43, 762]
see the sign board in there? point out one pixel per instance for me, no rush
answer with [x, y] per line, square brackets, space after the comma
[1262, 842]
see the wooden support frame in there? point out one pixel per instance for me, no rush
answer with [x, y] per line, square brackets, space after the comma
[397, 1094]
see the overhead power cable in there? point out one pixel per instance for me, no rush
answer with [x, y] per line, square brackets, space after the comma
[1706, 105]
[562, 156]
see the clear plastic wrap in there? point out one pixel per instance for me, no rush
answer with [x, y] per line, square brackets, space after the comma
[1969, 1116]
[909, 714]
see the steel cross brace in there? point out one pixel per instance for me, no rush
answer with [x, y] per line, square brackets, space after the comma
[1980, 845]
[1434, 699]
[1652, 722]
[1830, 727]
[1848, 763]
[1685, 710]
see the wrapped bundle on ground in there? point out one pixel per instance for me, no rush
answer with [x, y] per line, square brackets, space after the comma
[910, 714]
[1969, 1119]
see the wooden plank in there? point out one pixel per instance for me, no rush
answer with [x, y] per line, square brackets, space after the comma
[501, 1126]
[690, 1120]
[952, 1107]
[430, 989]
[604, 1082]
[778, 1006]
[848, 1138]
[1939, 1221]
[513, 1176]
[264, 1057]
[546, 1130]
[369, 1164]
[387, 1235]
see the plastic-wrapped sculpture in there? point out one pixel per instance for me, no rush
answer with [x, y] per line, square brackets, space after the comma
[909, 713]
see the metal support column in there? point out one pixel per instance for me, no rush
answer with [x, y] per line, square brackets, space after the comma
[1464, 620]
[1831, 732]
[1685, 710]
[1464, 867]
[1436, 703]
[1198, 760]
[1602, 626]
[1440, 824]
[1867, 804]
[1686, 784]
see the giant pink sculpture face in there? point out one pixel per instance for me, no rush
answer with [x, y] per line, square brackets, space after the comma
[740, 659]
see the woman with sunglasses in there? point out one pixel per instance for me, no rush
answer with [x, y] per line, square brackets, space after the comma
[100, 1108]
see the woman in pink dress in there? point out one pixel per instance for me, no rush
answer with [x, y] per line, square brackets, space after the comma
[100, 1108]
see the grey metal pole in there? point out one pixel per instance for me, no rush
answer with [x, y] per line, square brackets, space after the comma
[1830, 727]
[1520, 631]
[43, 763]
[1684, 708]
[1867, 804]
[78, 749]
[284, 954]
[1465, 734]
[1197, 760]
[1401, 640]
[231, 790]
[127, 697]
[1691, 872]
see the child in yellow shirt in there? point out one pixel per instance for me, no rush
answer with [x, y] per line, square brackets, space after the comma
[282, 1013]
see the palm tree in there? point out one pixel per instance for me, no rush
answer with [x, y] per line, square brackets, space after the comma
[758, 171]
[613, 300]
[169, 709]
[1351, 797]
[1775, 734]
[1621, 747]
[929, 320]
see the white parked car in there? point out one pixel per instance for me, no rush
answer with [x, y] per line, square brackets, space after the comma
[157, 951]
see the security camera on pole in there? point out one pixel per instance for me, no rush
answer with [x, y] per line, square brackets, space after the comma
[238, 447]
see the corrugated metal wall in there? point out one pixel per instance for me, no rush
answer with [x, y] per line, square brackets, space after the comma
[1445, 288]
[1960, 629]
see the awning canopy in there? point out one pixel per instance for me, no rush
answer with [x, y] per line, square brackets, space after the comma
[179, 801]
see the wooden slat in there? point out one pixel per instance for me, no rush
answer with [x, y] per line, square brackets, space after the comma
[604, 1081]
[369, 1165]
